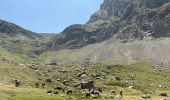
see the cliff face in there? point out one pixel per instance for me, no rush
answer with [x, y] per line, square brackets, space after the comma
[126, 20]
[123, 8]
[137, 19]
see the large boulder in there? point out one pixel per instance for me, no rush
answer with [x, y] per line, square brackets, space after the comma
[87, 85]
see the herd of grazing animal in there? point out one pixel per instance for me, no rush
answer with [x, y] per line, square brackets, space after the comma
[93, 91]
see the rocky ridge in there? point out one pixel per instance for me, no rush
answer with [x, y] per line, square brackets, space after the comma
[126, 20]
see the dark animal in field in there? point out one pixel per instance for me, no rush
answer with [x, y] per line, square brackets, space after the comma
[17, 83]
[69, 92]
[118, 78]
[49, 91]
[37, 85]
[87, 85]
[96, 92]
[88, 95]
[113, 92]
[163, 94]
[121, 94]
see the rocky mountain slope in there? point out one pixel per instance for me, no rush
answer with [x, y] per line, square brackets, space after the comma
[127, 20]
[122, 31]
[18, 44]
[8, 29]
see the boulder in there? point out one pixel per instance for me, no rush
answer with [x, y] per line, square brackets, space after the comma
[69, 91]
[146, 96]
[64, 82]
[82, 74]
[48, 80]
[87, 85]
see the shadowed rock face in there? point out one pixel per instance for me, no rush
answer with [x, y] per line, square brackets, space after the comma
[127, 20]
[11, 30]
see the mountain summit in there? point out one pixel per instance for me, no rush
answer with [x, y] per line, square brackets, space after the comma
[126, 20]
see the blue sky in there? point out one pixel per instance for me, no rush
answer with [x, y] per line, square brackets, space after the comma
[47, 15]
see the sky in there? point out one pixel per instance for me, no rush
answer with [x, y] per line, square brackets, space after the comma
[48, 16]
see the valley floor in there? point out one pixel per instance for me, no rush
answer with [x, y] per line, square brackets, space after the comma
[10, 92]
[145, 80]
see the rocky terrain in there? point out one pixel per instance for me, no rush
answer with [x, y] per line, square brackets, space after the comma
[121, 52]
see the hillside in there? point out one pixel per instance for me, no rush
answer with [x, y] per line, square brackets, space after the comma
[18, 45]
[126, 20]
[122, 31]
[8, 29]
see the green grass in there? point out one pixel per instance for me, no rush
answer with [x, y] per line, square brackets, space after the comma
[142, 73]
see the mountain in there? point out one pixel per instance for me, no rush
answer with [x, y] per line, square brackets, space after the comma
[18, 44]
[122, 49]
[126, 20]
[12, 30]
[122, 31]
